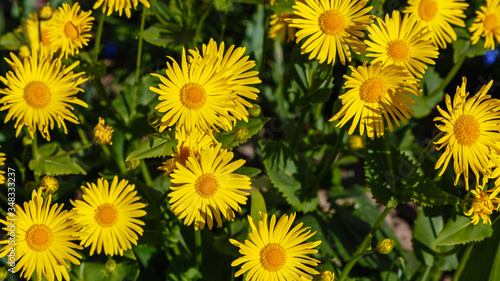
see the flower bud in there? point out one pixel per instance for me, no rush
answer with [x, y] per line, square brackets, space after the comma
[49, 184]
[27, 141]
[110, 265]
[356, 142]
[385, 246]
[132, 164]
[3, 273]
[241, 134]
[45, 12]
[102, 133]
[255, 110]
[325, 276]
[154, 120]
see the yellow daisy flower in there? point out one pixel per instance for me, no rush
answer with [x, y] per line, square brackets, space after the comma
[279, 27]
[332, 26]
[376, 92]
[276, 251]
[109, 216]
[207, 187]
[402, 42]
[483, 204]
[39, 93]
[2, 162]
[471, 133]
[70, 29]
[438, 16]
[194, 95]
[119, 6]
[187, 144]
[44, 237]
[487, 24]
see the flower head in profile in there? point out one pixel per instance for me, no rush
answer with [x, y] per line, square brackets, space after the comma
[331, 27]
[44, 235]
[402, 42]
[471, 133]
[103, 133]
[376, 93]
[2, 162]
[207, 186]
[439, 16]
[119, 6]
[70, 29]
[276, 251]
[109, 215]
[279, 27]
[39, 93]
[487, 24]
[483, 204]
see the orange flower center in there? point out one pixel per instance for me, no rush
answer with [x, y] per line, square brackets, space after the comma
[467, 130]
[45, 37]
[193, 96]
[428, 9]
[373, 89]
[490, 22]
[39, 237]
[70, 30]
[37, 94]
[106, 215]
[273, 257]
[332, 22]
[398, 50]
[206, 185]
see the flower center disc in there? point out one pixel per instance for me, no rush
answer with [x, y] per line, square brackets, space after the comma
[490, 22]
[467, 130]
[37, 94]
[398, 50]
[273, 257]
[428, 9]
[206, 185]
[106, 215]
[45, 37]
[39, 237]
[332, 22]
[373, 89]
[193, 96]
[70, 30]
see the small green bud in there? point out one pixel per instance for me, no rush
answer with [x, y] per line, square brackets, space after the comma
[49, 184]
[255, 110]
[45, 12]
[241, 134]
[132, 164]
[385, 246]
[110, 265]
[27, 141]
[3, 273]
[154, 120]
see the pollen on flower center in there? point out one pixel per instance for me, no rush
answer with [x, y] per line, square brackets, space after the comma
[206, 185]
[71, 31]
[193, 96]
[332, 22]
[273, 257]
[467, 130]
[428, 9]
[398, 50]
[373, 89]
[39, 237]
[37, 94]
[106, 215]
[490, 22]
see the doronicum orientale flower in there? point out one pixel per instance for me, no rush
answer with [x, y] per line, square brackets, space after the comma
[2, 162]
[276, 251]
[332, 27]
[103, 133]
[385, 246]
[280, 28]
[119, 6]
[49, 184]
[44, 237]
[40, 92]
[207, 187]
[487, 24]
[109, 215]
[471, 133]
[483, 204]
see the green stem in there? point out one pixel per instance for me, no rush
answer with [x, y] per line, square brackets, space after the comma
[101, 92]
[332, 156]
[463, 262]
[138, 65]
[389, 159]
[264, 41]
[145, 174]
[97, 46]
[453, 251]
[424, 153]
[224, 21]
[299, 126]
[449, 76]
[34, 147]
[69, 153]
[197, 249]
[201, 21]
[20, 12]
[365, 245]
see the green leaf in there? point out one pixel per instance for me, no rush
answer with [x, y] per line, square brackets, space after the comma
[282, 7]
[463, 47]
[128, 269]
[426, 192]
[154, 146]
[281, 164]
[254, 125]
[248, 171]
[461, 231]
[425, 101]
[257, 206]
[62, 165]
[11, 41]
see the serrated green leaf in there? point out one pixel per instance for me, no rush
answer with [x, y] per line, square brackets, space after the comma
[257, 205]
[281, 165]
[62, 165]
[153, 147]
[428, 224]
[248, 171]
[425, 192]
[254, 125]
[461, 231]
[282, 7]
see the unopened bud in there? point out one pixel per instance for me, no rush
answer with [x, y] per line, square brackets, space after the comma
[154, 120]
[132, 164]
[385, 246]
[241, 134]
[24, 52]
[255, 110]
[27, 141]
[356, 142]
[3, 273]
[49, 184]
[325, 276]
[45, 12]
[110, 265]
[102, 133]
